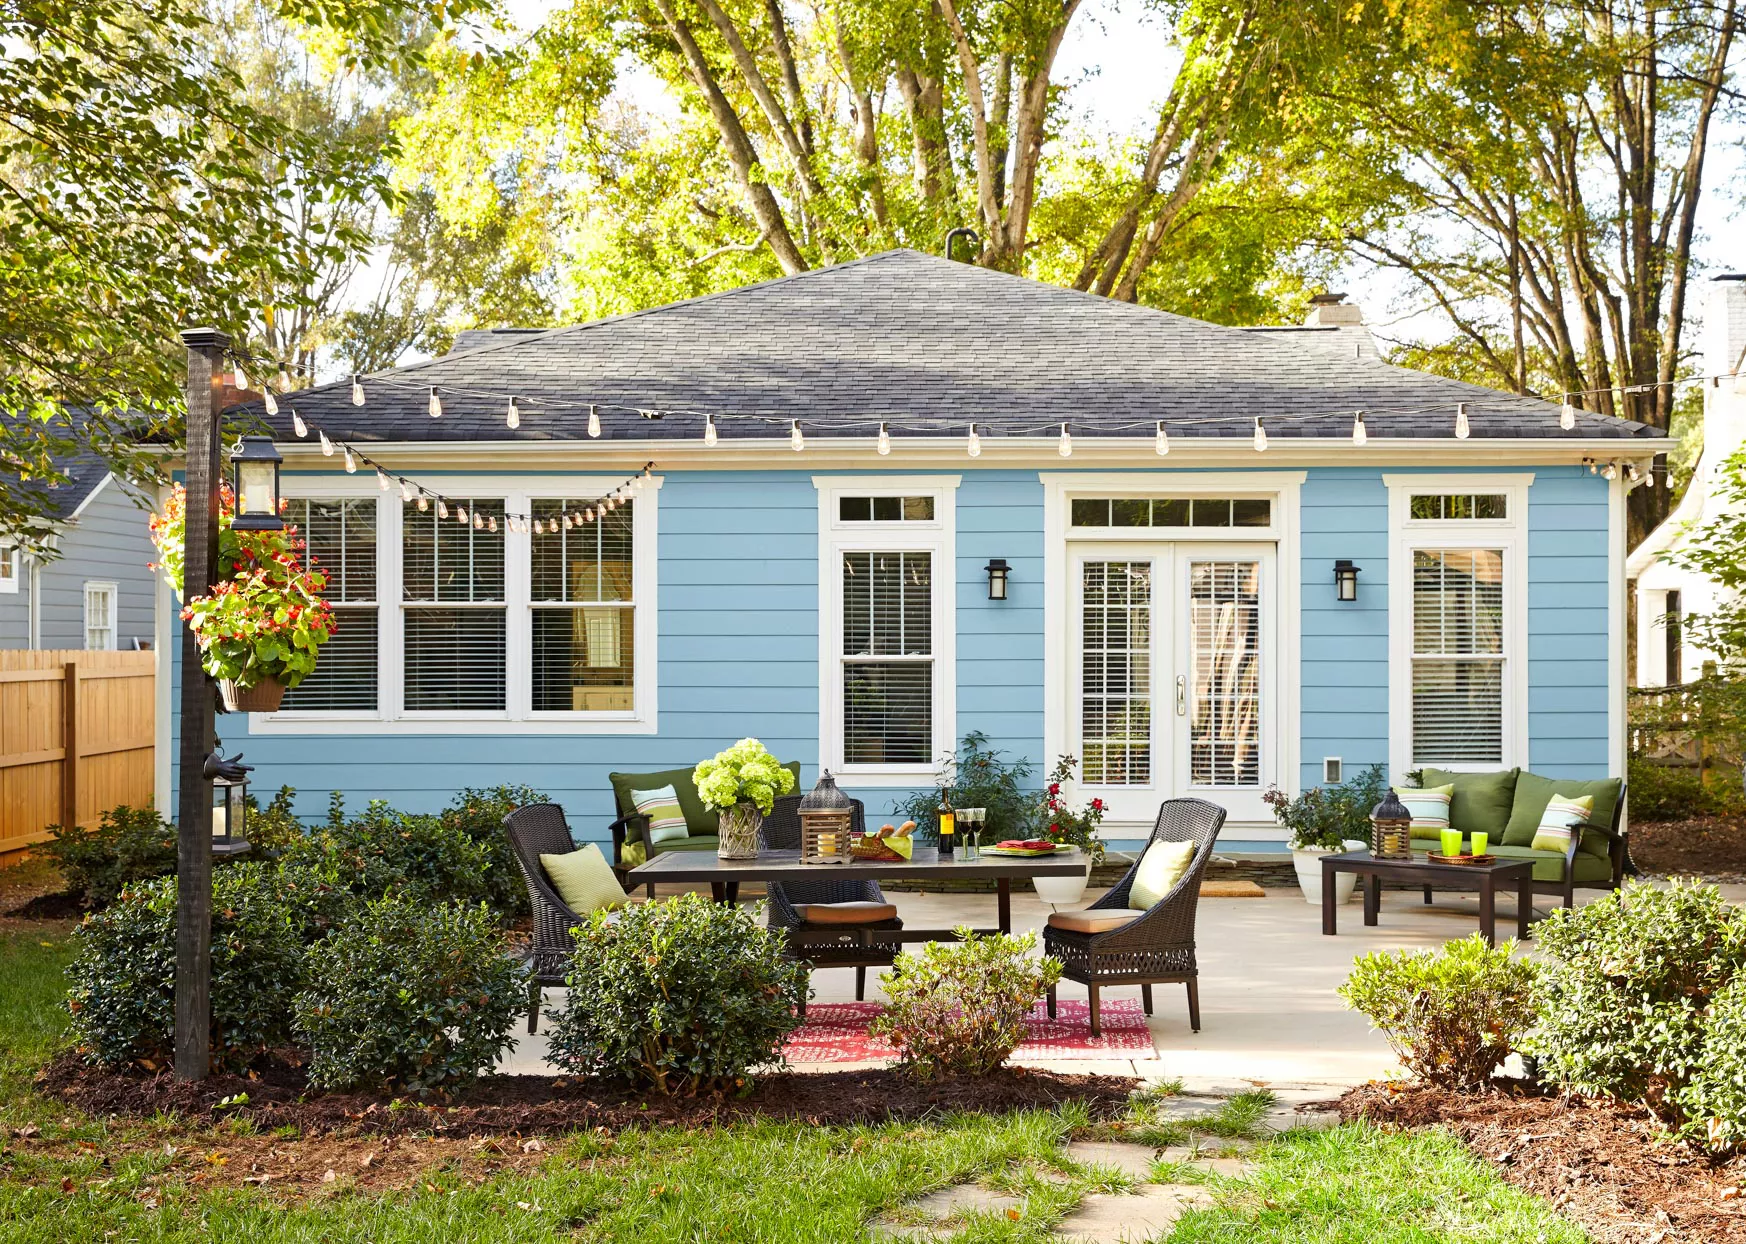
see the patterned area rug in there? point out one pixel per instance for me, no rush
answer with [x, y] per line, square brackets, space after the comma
[836, 1032]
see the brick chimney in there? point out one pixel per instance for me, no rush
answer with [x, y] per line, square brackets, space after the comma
[229, 395]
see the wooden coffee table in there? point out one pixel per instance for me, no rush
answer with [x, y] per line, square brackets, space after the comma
[1422, 872]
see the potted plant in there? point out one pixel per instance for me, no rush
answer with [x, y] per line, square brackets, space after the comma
[1326, 819]
[1060, 823]
[977, 776]
[742, 784]
[263, 621]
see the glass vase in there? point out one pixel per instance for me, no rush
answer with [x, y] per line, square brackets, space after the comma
[738, 835]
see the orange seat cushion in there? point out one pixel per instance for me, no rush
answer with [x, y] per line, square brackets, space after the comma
[861, 912]
[1093, 921]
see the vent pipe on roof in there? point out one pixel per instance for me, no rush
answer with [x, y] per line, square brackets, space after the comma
[963, 231]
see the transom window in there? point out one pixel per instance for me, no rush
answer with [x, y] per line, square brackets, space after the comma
[339, 539]
[584, 614]
[1448, 506]
[885, 509]
[1171, 512]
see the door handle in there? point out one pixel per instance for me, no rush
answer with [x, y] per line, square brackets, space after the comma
[1182, 695]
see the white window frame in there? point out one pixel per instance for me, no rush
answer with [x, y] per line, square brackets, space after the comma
[1407, 535]
[101, 587]
[15, 566]
[937, 536]
[517, 493]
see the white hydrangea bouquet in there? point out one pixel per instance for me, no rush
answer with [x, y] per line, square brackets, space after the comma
[742, 783]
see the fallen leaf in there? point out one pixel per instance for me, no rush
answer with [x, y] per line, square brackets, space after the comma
[256, 1179]
[1014, 1214]
[66, 1184]
[532, 1145]
[329, 1177]
[1728, 1194]
[369, 1159]
[27, 1131]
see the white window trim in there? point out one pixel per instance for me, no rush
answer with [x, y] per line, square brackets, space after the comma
[113, 592]
[1406, 534]
[517, 493]
[9, 555]
[938, 536]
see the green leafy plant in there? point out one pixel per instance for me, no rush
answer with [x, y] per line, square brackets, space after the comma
[743, 773]
[679, 996]
[129, 845]
[958, 1008]
[479, 814]
[979, 776]
[1627, 995]
[1057, 820]
[275, 827]
[1664, 792]
[1451, 1016]
[1326, 817]
[420, 856]
[409, 996]
[1713, 1100]
[123, 974]
[264, 618]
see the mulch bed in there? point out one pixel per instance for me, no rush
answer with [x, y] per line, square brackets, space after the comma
[530, 1105]
[1709, 846]
[1602, 1165]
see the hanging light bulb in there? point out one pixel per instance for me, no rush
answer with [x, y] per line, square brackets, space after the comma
[593, 421]
[1610, 471]
[1632, 473]
[973, 446]
[357, 390]
[478, 521]
[1161, 442]
[569, 521]
[1461, 428]
[588, 515]
[436, 404]
[381, 479]
[442, 508]
[1567, 415]
[1260, 436]
[796, 441]
[351, 463]
[491, 525]
[1359, 435]
[709, 429]
[242, 378]
[405, 492]
[512, 416]
[326, 445]
[1064, 446]
[297, 424]
[461, 514]
[884, 445]
[423, 503]
[272, 402]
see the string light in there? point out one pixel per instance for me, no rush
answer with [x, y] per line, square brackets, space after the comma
[709, 429]
[512, 416]
[884, 444]
[381, 479]
[478, 521]
[1064, 446]
[326, 446]
[242, 378]
[272, 402]
[1567, 415]
[1462, 431]
[491, 524]
[1610, 471]
[593, 421]
[423, 503]
[460, 513]
[796, 441]
[357, 390]
[1260, 436]
[1161, 442]
[436, 404]
[351, 462]
[297, 424]
[973, 446]
[1359, 435]
[405, 492]
[442, 508]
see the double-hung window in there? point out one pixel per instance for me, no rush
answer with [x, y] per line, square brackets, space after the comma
[339, 540]
[9, 568]
[1458, 621]
[583, 607]
[99, 617]
[455, 608]
[887, 667]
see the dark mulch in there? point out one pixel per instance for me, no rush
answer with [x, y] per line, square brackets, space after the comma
[1708, 846]
[547, 1104]
[1600, 1164]
[59, 905]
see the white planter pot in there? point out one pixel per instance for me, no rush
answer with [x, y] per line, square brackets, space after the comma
[1308, 862]
[1063, 891]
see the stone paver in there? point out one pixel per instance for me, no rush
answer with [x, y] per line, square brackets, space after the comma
[1284, 1118]
[964, 1199]
[1132, 1160]
[1186, 1108]
[1130, 1219]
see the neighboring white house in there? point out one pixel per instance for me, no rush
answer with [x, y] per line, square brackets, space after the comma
[1665, 592]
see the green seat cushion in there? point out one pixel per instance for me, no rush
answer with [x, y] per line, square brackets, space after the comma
[700, 822]
[1481, 802]
[1534, 792]
[1548, 865]
[584, 880]
[702, 842]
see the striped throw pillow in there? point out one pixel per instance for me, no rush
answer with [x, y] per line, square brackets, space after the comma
[666, 818]
[1428, 806]
[1559, 822]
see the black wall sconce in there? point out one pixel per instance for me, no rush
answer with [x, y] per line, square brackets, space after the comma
[997, 574]
[1346, 580]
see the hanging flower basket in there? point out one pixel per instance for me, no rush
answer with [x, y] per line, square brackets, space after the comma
[263, 697]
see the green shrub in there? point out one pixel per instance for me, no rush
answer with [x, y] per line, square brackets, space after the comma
[1626, 996]
[1671, 793]
[982, 777]
[479, 814]
[123, 994]
[679, 996]
[386, 852]
[1329, 816]
[410, 996]
[958, 1008]
[1713, 1101]
[275, 827]
[1453, 1016]
[128, 845]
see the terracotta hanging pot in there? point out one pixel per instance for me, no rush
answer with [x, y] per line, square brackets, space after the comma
[263, 697]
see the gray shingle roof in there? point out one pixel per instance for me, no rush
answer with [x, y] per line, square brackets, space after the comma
[927, 344]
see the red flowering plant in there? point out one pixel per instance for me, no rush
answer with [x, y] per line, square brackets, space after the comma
[264, 618]
[1060, 823]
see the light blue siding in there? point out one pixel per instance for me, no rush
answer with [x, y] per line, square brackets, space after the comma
[1568, 698]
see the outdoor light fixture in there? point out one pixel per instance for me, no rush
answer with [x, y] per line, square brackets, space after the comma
[997, 574]
[230, 809]
[255, 481]
[1346, 580]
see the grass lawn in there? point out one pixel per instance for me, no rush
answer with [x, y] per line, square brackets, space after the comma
[64, 1177]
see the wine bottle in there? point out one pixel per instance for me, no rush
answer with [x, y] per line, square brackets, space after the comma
[948, 826]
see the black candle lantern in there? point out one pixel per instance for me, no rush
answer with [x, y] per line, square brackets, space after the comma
[997, 574]
[255, 483]
[230, 807]
[1346, 580]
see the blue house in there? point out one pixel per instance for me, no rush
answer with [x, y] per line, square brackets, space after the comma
[862, 511]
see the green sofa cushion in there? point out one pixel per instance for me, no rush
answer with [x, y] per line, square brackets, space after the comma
[700, 822]
[1481, 802]
[1534, 792]
[1548, 865]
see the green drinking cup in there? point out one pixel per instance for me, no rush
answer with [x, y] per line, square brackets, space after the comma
[1451, 842]
[1480, 842]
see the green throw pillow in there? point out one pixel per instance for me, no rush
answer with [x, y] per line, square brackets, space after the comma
[1481, 802]
[666, 817]
[700, 822]
[1559, 822]
[1534, 792]
[1161, 867]
[584, 880]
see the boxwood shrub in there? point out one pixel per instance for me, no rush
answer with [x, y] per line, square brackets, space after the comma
[123, 977]
[409, 995]
[129, 845]
[679, 996]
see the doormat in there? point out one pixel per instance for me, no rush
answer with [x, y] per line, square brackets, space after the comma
[836, 1032]
[1231, 889]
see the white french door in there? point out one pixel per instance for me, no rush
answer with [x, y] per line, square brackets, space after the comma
[1172, 674]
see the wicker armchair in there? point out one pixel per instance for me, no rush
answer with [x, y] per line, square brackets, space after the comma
[857, 946]
[535, 830]
[1157, 947]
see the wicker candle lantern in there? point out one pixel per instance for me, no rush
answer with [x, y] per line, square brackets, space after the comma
[1391, 829]
[826, 817]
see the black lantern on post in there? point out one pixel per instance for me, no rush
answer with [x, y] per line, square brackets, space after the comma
[230, 808]
[1346, 580]
[255, 481]
[997, 574]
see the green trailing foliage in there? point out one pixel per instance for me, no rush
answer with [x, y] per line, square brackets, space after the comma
[1452, 1016]
[409, 996]
[123, 993]
[958, 1008]
[1664, 792]
[1329, 816]
[980, 776]
[680, 996]
[129, 845]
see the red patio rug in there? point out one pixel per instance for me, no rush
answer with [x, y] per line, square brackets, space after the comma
[836, 1032]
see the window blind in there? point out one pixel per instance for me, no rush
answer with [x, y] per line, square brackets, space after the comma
[584, 614]
[1458, 656]
[456, 618]
[339, 538]
[1115, 681]
[888, 658]
[1224, 738]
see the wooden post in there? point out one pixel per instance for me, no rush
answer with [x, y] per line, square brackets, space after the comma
[206, 348]
[70, 745]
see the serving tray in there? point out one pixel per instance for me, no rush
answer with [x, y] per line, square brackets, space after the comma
[1435, 858]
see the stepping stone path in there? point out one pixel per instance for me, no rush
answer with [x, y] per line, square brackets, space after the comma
[1145, 1214]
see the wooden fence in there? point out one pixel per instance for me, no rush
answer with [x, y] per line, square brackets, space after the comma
[76, 739]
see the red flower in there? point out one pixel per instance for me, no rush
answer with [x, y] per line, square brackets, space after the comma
[1054, 788]
[1097, 804]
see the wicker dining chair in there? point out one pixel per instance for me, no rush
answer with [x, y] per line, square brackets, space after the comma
[1154, 948]
[535, 830]
[857, 945]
